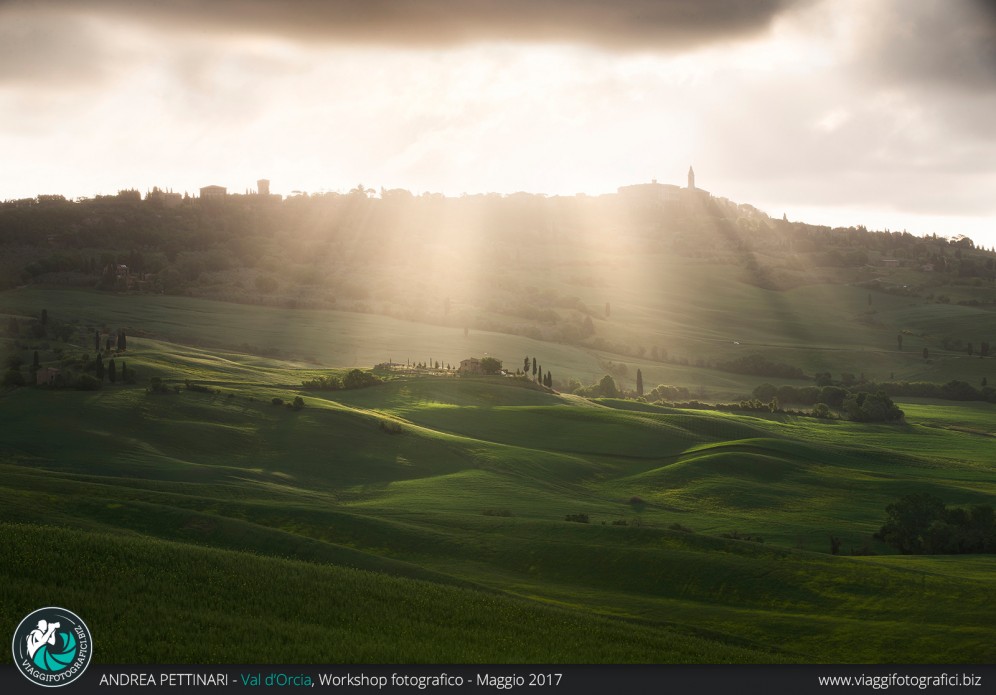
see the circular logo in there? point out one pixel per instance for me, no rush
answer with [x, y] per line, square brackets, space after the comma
[52, 647]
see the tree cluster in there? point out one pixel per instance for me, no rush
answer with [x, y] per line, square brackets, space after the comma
[758, 365]
[354, 379]
[921, 524]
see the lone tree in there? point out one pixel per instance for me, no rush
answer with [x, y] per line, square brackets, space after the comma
[926, 354]
[607, 387]
[490, 365]
[639, 383]
[899, 340]
[589, 326]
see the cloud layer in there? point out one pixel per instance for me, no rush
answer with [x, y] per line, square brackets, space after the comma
[843, 103]
[623, 24]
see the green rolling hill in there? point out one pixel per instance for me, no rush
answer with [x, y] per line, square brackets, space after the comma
[297, 535]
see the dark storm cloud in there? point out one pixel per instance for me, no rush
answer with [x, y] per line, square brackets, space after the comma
[622, 24]
[940, 44]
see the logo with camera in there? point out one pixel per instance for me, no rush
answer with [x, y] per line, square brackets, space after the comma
[52, 647]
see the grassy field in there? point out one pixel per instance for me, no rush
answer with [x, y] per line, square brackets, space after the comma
[692, 311]
[323, 533]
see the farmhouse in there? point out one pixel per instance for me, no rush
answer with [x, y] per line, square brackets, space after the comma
[470, 366]
[46, 376]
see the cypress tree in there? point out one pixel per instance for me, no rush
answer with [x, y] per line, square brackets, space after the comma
[112, 372]
[639, 383]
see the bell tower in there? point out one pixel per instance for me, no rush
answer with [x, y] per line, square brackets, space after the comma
[691, 179]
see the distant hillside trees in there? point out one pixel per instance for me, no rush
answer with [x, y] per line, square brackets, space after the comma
[758, 365]
[355, 379]
[861, 406]
[922, 524]
[671, 394]
[606, 387]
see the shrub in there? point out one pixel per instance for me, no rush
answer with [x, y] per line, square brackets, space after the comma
[577, 518]
[13, 377]
[298, 403]
[357, 379]
[680, 527]
[737, 536]
[86, 382]
[496, 512]
[323, 383]
[276, 400]
[157, 385]
[197, 388]
[391, 427]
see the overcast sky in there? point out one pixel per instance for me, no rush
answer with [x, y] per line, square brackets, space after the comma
[875, 112]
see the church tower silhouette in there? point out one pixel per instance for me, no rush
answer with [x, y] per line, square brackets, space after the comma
[691, 179]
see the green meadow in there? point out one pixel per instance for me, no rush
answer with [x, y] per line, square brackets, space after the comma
[426, 519]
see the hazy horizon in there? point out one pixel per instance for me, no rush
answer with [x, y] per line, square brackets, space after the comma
[843, 113]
